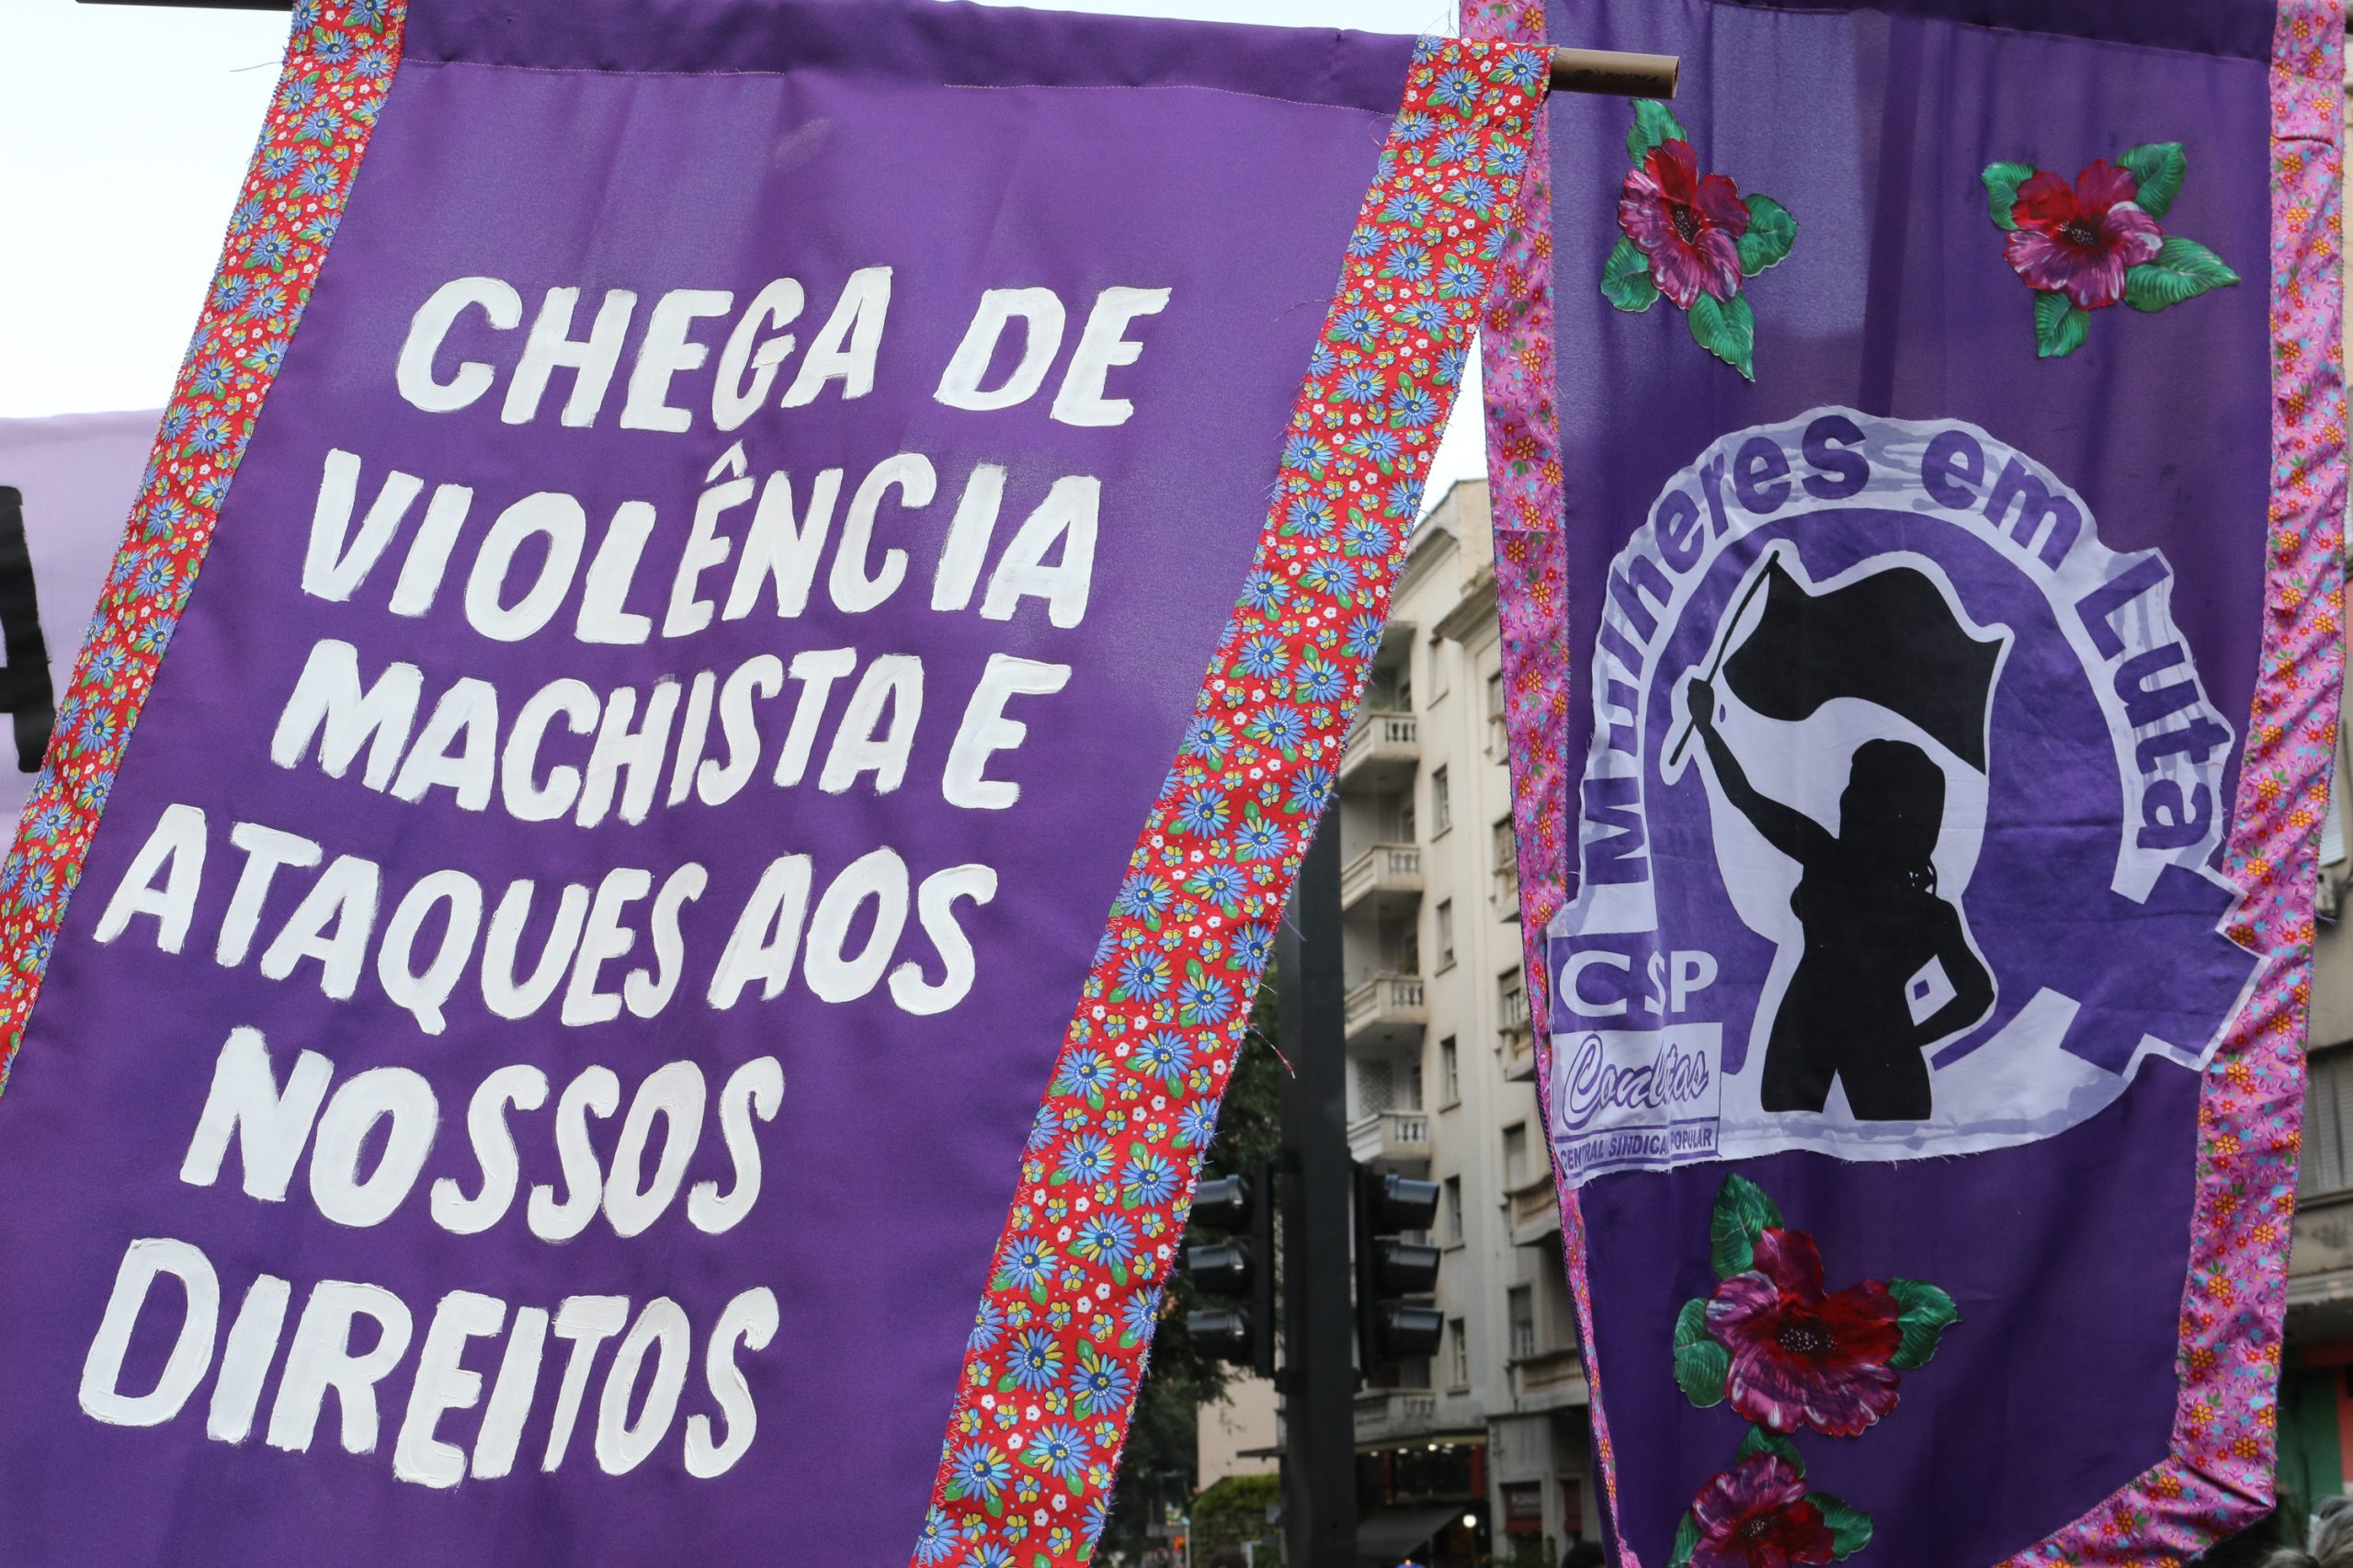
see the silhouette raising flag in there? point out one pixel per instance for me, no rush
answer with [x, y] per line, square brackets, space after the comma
[1889, 638]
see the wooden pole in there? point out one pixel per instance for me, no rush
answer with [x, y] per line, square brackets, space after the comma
[1613, 75]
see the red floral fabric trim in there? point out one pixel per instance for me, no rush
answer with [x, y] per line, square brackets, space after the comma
[338, 65]
[2250, 1112]
[1059, 1343]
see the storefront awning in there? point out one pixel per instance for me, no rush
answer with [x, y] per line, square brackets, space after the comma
[1392, 1535]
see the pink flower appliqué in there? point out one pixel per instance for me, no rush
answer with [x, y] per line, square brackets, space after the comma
[2079, 240]
[1799, 1357]
[1756, 1515]
[1688, 225]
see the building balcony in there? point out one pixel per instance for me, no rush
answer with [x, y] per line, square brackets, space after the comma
[1383, 751]
[1386, 1012]
[1516, 1050]
[1504, 890]
[2320, 1267]
[1551, 1379]
[1384, 878]
[1534, 1210]
[1390, 1415]
[1390, 1138]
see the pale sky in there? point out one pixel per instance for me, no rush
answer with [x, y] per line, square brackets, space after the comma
[124, 134]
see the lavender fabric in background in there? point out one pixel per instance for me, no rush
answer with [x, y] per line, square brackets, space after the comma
[2066, 1256]
[656, 147]
[78, 474]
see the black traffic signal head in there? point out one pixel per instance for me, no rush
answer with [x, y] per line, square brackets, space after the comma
[1390, 1328]
[1404, 1333]
[1405, 1269]
[1399, 1203]
[1221, 1267]
[1224, 1332]
[1241, 1268]
[1222, 1203]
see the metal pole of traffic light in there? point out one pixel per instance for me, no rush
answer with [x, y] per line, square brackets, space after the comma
[1319, 1377]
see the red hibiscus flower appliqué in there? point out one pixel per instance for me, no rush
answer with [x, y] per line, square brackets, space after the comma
[1692, 237]
[1756, 1515]
[1761, 1514]
[1789, 1356]
[2077, 239]
[2085, 245]
[1688, 224]
[1799, 1357]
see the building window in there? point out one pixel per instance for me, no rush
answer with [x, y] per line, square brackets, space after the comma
[2328, 1124]
[1458, 1343]
[1441, 803]
[1497, 734]
[1511, 1000]
[1445, 935]
[1515, 1154]
[1506, 854]
[1522, 1308]
[1449, 1072]
[1451, 1216]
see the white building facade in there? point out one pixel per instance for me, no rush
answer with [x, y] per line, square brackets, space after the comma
[1441, 1069]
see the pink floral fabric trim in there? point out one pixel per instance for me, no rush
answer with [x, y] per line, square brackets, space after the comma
[1059, 1343]
[338, 65]
[2225, 1434]
[2251, 1110]
[1524, 486]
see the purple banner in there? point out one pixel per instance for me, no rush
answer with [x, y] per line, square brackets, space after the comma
[1922, 1076]
[541, 1056]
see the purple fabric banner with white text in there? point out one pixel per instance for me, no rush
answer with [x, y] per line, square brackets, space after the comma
[736, 628]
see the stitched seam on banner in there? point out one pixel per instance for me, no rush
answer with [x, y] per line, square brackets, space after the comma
[1058, 1347]
[2220, 1473]
[340, 57]
[960, 87]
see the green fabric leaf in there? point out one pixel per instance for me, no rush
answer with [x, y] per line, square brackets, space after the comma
[1687, 1541]
[1851, 1527]
[2002, 182]
[2183, 270]
[1626, 277]
[1691, 1323]
[1653, 124]
[1742, 1212]
[1772, 233]
[2158, 166]
[1727, 329]
[1762, 1441]
[1701, 1366]
[2059, 327]
[1926, 1312]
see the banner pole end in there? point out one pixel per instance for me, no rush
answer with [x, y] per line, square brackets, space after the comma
[1614, 74]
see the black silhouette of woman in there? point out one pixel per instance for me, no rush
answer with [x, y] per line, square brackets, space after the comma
[1872, 920]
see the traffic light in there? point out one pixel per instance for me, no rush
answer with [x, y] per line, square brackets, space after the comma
[1390, 1328]
[1240, 1269]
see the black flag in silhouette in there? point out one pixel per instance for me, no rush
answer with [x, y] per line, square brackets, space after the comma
[1889, 637]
